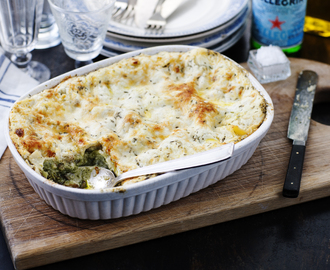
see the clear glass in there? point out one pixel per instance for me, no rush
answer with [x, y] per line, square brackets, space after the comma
[82, 26]
[268, 73]
[48, 33]
[19, 25]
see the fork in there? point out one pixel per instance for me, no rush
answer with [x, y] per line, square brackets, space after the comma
[156, 21]
[129, 10]
[119, 8]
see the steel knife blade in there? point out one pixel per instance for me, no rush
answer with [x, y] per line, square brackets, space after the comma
[298, 130]
[169, 7]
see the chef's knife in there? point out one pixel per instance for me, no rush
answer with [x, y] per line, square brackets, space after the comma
[298, 130]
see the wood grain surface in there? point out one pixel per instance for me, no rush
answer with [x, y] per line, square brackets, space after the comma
[38, 235]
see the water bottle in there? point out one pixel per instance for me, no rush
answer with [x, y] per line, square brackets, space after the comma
[278, 22]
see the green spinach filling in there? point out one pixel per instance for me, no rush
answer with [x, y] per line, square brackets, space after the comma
[74, 173]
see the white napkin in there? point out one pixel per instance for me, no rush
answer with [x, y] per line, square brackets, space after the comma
[13, 84]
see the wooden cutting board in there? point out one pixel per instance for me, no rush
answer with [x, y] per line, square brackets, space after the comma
[38, 235]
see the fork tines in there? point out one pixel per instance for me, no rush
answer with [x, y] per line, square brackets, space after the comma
[119, 7]
[156, 21]
[127, 10]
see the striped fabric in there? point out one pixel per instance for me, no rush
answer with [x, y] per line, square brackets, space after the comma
[6, 99]
[13, 83]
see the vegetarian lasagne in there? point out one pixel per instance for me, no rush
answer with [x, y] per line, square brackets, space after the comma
[136, 112]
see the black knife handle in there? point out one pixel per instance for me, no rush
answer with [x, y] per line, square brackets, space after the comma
[293, 176]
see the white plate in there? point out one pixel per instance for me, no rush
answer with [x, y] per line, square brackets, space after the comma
[225, 45]
[243, 14]
[193, 16]
[128, 46]
[219, 47]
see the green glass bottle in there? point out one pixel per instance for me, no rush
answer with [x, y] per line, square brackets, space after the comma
[278, 22]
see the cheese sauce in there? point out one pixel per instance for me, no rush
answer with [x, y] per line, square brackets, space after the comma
[137, 112]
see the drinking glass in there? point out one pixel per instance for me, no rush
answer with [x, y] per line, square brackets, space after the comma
[19, 26]
[82, 25]
[48, 32]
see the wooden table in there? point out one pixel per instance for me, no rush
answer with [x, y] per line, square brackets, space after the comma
[294, 237]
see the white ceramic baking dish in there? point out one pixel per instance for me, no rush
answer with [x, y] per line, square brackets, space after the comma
[145, 195]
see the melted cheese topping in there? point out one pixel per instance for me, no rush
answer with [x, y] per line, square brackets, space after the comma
[140, 111]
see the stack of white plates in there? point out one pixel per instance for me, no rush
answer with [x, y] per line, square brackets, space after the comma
[211, 24]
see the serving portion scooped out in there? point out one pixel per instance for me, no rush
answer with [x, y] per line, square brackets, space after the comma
[136, 112]
[132, 111]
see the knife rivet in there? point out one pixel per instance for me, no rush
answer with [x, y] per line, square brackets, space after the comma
[297, 153]
[291, 183]
[294, 168]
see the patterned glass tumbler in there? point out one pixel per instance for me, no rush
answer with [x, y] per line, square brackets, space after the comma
[82, 26]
